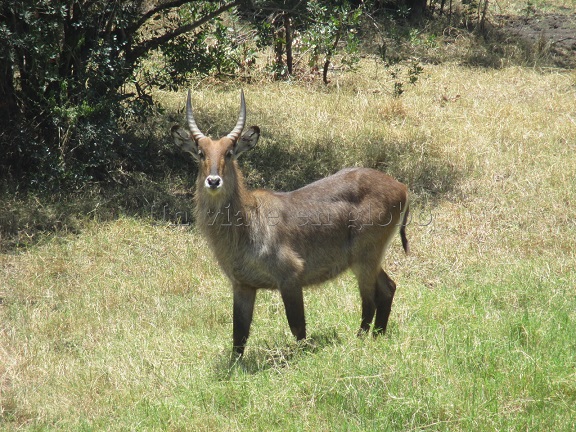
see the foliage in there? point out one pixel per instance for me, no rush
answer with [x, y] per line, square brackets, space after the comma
[311, 32]
[330, 27]
[401, 77]
[212, 49]
[68, 82]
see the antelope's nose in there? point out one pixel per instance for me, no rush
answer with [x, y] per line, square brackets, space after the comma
[213, 182]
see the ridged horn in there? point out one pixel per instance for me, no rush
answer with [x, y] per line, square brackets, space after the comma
[196, 134]
[235, 134]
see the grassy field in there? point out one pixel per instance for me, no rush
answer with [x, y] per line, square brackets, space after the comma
[125, 324]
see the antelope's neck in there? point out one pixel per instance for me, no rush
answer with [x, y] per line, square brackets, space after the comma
[225, 213]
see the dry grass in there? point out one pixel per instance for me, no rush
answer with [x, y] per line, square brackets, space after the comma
[498, 141]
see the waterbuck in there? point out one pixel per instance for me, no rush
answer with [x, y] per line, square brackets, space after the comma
[288, 240]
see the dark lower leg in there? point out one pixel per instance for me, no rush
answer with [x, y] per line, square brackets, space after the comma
[294, 304]
[244, 299]
[368, 309]
[385, 290]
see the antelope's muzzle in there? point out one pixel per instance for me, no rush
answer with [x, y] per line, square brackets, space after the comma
[213, 182]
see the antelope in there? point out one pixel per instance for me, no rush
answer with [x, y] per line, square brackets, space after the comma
[289, 240]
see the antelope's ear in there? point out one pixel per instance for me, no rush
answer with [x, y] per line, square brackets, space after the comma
[183, 140]
[247, 141]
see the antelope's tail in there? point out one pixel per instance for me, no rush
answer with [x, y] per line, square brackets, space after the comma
[403, 231]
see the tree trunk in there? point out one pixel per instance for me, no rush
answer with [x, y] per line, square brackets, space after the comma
[288, 33]
[417, 8]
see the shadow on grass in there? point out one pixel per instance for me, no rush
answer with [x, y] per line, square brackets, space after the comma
[260, 359]
[533, 39]
[26, 219]
[429, 174]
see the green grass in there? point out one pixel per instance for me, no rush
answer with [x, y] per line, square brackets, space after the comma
[128, 325]
[122, 321]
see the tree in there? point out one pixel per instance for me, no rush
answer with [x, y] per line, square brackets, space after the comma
[69, 70]
[64, 67]
[321, 28]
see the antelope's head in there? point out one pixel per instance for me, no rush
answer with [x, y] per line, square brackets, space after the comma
[217, 158]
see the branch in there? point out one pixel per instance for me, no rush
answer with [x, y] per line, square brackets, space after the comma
[153, 43]
[272, 7]
[154, 11]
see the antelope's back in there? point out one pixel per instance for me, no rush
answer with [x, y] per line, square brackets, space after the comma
[358, 190]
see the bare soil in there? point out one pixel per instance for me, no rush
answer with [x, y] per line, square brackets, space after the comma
[551, 33]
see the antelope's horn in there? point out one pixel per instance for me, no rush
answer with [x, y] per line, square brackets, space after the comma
[235, 134]
[196, 134]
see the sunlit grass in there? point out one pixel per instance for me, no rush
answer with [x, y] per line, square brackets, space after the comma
[125, 323]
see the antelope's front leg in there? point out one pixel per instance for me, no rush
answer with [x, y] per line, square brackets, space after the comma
[244, 298]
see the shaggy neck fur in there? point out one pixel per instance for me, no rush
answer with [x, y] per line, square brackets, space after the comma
[225, 216]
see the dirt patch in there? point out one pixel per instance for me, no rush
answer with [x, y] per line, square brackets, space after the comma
[548, 33]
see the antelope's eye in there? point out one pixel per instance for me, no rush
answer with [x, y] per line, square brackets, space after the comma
[230, 153]
[201, 154]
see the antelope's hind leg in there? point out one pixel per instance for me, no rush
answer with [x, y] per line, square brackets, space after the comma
[385, 290]
[367, 287]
